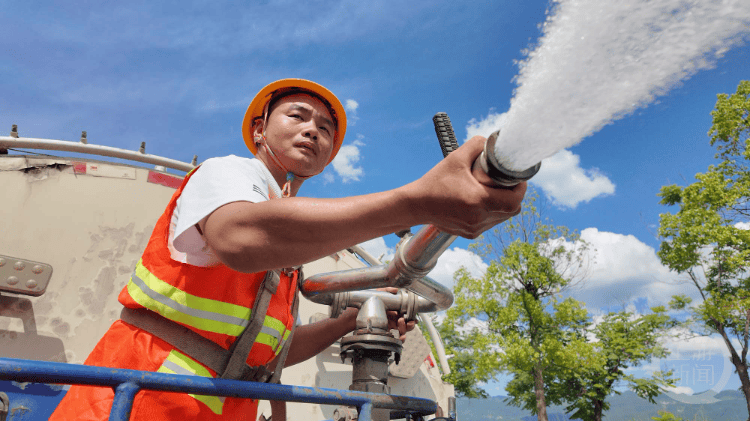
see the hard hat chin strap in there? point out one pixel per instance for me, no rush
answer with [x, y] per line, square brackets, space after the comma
[286, 190]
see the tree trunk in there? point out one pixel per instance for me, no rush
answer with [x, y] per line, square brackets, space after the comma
[598, 410]
[740, 365]
[745, 386]
[541, 404]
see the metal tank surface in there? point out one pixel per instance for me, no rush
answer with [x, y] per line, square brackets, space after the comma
[83, 223]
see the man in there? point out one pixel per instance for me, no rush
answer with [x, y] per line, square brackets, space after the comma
[215, 291]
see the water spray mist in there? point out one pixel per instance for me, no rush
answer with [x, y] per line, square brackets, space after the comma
[598, 61]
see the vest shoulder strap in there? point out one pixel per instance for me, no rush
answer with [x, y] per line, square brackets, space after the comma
[285, 351]
[236, 366]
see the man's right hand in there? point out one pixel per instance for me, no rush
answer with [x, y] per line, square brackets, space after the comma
[453, 200]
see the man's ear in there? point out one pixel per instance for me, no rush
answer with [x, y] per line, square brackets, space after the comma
[258, 128]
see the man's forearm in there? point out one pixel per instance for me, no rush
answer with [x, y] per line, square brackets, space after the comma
[252, 237]
[309, 340]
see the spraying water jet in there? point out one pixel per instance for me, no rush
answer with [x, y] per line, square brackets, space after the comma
[598, 61]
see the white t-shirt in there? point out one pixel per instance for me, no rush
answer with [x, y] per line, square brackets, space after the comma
[217, 182]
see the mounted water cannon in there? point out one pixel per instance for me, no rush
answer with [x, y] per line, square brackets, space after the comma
[371, 345]
[416, 255]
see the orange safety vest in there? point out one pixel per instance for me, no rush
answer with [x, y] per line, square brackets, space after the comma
[215, 302]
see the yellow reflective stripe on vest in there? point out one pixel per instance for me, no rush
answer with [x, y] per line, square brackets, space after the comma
[202, 313]
[175, 304]
[179, 363]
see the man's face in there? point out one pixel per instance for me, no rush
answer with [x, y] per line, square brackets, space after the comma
[300, 132]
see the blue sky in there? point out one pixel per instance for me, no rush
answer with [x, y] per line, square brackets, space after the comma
[180, 75]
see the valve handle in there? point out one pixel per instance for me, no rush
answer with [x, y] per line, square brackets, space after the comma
[444, 132]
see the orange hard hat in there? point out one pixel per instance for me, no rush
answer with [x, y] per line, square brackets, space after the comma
[258, 105]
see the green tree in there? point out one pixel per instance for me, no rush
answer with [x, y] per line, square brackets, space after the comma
[708, 239]
[514, 319]
[467, 373]
[666, 416]
[623, 340]
[531, 331]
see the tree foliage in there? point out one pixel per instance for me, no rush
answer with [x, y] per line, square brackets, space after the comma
[666, 416]
[708, 238]
[623, 340]
[515, 319]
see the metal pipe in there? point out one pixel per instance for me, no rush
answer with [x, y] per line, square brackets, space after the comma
[63, 145]
[345, 280]
[122, 404]
[50, 372]
[408, 304]
[321, 288]
[415, 258]
[372, 315]
[423, 249]
[438, 342]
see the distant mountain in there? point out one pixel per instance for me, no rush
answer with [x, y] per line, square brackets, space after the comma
[728, 405]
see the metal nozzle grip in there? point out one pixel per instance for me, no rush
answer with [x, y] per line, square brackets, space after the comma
[444, 132]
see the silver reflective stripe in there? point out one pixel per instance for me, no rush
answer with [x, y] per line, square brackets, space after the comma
[271, 332]
[201, 314]
[178, 369]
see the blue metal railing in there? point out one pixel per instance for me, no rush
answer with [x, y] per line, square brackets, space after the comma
[128, 382]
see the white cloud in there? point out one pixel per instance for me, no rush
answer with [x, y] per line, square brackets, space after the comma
[701, 360]
[561, 176]
[378, 248]
[683, 390]
[345, 163]
[452, 260]
[567, 184]
[623, 269]
[351, 111]
[351, 105]
[695, 347]
[619, 256]
[742, 225]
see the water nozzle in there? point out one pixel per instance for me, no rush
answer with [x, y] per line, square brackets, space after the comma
[488, 169]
